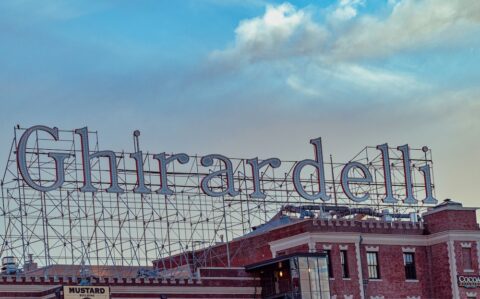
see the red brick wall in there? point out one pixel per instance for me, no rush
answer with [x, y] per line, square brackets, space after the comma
[440, 268]
[338, 285]
[451, 220]
[461, 265]
[392, 283]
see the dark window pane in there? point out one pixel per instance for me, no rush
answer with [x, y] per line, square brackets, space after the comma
[329, 263]
[344, 261]
[409, 263]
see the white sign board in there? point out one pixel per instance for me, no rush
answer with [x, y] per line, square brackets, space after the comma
[86, 292]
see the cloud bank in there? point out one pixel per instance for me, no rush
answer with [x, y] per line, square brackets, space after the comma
[285, 32]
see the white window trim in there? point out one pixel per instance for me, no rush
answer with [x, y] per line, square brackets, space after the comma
[471, 294]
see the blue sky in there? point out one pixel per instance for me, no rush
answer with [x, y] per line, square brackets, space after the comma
[251, 77]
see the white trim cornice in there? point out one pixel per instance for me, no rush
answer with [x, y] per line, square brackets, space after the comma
[373, 239]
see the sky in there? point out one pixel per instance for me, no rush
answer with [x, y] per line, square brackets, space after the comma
[250, 78]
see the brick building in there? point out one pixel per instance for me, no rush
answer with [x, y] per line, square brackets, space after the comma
[308, 256]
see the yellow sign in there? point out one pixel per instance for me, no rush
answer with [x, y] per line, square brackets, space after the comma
[86, 292]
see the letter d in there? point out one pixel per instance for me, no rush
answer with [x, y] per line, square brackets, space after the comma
[318, 165]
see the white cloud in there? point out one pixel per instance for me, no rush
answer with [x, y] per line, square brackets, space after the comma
[285, 31]
[346, 10]
[374, 77]
[412, 25]
[282, 31]
[293, 38]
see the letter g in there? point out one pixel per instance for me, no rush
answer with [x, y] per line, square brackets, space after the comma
[59, 159]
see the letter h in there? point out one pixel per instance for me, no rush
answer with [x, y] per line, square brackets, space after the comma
[87, 168]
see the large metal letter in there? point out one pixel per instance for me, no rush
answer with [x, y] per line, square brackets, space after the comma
[140, 188]
[318, 164]
[408, 174]
[429, 199]
[208, 161]
[58, 157]
[273, 162]
[163, 162]
[346, 180]
[387, 175]
[87, 167]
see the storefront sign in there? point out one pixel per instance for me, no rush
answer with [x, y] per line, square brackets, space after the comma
[469, 282]
[226, 174]
[86, 292]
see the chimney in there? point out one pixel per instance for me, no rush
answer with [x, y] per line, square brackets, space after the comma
[30, 265]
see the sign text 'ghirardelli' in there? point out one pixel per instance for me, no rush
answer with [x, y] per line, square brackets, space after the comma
[227, 172]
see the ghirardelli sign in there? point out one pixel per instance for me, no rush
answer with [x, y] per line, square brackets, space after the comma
[363, 176]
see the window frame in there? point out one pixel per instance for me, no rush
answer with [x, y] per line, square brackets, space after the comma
[373, 268]
[409, 266]
[328, 252]
[467, 251]
[344, 263]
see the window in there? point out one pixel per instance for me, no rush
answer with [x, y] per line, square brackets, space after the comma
[344, 262]
[329, 263]
[409, 262]
[373, 266]
[310, 281]
[467, 258]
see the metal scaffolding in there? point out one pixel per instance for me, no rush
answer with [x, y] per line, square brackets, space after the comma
[69, 227]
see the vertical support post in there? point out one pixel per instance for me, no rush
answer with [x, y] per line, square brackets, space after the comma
[227, 243]
[19, 201]
[333, 181]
